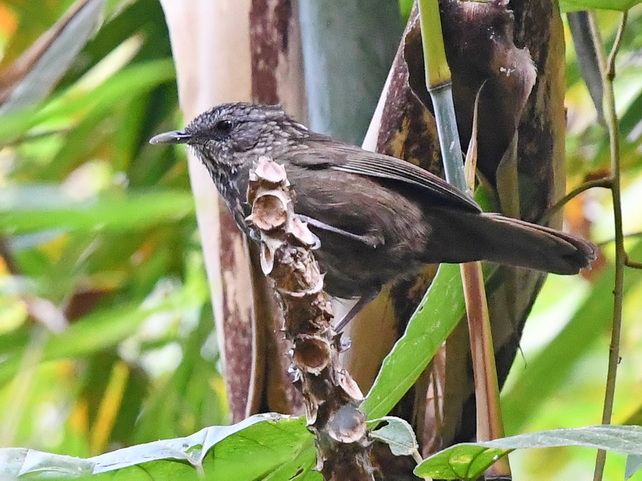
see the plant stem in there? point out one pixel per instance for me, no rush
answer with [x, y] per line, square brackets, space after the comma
[332, 397]
[437, 69]
[608, 69]
[439, 85]
[605, 182]
[632, 264]
[489, 415]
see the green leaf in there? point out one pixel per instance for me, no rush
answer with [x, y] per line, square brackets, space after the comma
[276, 449]
[462, 461]
[38, 207]
[437, 315]
[396, 433]
[575, 5]
[16, 462]
[435, 318]
[405, 7]
[264, 446]
[62, 43]
[469, 460]
[633, 464]
[131, 81]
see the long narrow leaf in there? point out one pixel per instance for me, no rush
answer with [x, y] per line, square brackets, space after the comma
[439, 312]
[39, 69]
[576, 5]
[135, 79]
[469, 460]
[40, 207]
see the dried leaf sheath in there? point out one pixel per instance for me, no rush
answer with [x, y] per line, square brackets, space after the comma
[331, 397]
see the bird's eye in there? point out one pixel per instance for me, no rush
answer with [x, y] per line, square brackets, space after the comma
[224, 126]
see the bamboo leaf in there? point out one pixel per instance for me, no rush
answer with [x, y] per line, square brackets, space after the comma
[576, 5]
[435, 318]
[32, 76]
[633, 464]
[132, 80]
[38, 207]
[469, 460]
[437, 315]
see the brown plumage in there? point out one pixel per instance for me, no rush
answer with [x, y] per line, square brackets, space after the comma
[377, 217]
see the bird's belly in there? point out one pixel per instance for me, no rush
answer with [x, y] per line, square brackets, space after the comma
[353, 269]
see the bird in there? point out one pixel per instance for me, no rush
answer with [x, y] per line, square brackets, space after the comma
[378, 218]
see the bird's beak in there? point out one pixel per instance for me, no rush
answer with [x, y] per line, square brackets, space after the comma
[173, 137]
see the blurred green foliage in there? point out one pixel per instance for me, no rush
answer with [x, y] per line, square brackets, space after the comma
[106, 331]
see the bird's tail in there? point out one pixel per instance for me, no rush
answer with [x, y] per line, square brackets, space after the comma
[522, 244]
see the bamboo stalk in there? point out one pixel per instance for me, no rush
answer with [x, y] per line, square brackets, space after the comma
[438, 82]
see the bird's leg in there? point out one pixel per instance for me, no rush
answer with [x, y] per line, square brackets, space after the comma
[329, 228]
[361, 303]
[363, 300]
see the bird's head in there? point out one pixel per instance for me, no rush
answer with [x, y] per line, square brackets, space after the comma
[235, 128]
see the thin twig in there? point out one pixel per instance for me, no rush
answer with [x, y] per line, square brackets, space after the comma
[630, 263]
[605, 182]
[7, 256]
[610, 115]
[490, 424]
[612, 239]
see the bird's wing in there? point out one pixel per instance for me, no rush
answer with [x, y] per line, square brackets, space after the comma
[352, 159]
